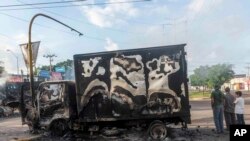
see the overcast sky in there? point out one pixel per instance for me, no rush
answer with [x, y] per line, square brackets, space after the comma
[215, 31]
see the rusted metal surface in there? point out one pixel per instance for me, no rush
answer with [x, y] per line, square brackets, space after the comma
[121, 88]
[133, 84]
[53, 100]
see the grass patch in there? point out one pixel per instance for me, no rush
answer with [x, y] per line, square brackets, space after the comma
[195, 94]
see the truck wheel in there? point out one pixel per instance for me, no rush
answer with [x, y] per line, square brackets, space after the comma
[59, 127]
[157, 130]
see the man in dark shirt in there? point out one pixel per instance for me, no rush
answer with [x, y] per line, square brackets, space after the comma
[229, 108]
[217, 100]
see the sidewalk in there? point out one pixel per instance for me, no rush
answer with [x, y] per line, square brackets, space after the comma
[246, 97]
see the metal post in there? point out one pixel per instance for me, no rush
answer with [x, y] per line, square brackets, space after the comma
[17, 65]
[30, 51]
[50, 56]
[248, 77]
[50, 69]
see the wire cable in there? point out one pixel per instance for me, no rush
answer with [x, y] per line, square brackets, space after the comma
[70, 33]
[76, 5]
[77, 20]
[84, 22]
[44, 26]
[43, 3]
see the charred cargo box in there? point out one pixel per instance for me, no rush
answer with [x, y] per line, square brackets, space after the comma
[136, 84]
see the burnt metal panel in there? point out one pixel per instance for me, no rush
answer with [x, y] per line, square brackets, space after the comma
[132, 84]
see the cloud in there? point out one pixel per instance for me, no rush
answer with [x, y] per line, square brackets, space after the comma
[111, 14]
[159, 10]
[21, 38]
[231, 26]
[12, 42]
[110, 45]
[198, 7]
[212, 55]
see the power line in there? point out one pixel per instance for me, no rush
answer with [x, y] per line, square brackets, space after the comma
[86, 36]
[44, 26]
[6, 36]
[83, 22]
[42, 3]
[248, 69]
[76, 5]
[77, 20]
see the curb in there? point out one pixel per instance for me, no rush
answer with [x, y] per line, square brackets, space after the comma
[28, 138]
[197, 99]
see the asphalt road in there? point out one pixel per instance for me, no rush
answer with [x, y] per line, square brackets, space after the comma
[202, 115]
[201, 128]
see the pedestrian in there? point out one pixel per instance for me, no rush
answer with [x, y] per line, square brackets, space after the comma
[239, 107]
[217, 100]
[229, 108]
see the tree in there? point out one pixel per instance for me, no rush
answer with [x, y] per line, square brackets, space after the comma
[212, 75]
[67, 63]
[200, 76]
[36, 71]
[69, 72]
[219, 74]
[45, 67]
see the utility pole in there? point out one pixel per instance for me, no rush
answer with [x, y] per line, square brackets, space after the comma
[174, 22]
[50, 56]
[30, 50]
[248, 77]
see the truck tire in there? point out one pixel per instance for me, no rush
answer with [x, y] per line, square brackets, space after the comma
[157, 130]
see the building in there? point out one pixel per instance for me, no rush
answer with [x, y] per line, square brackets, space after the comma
[239, 82]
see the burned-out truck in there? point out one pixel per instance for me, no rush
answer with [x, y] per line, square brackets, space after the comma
[139, 87]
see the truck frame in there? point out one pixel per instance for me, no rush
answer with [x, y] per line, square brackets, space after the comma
[137, 87]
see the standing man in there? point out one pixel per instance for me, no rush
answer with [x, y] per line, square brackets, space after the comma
[217, 100]
[229, 108]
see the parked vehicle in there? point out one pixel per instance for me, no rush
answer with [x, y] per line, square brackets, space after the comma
[12, 93]
[2, 97]
[138, 87]
[5, 111]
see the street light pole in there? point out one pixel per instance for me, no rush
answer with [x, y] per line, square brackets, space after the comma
[17, 64]
[248, 77]
[50, 56]
[30, 51]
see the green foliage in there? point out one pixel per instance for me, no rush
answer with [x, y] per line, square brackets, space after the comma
[41, 68]
[44, 68]
[194, 94]
[200, 76]
[213, 75]
[219, 74]
[67, 63]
